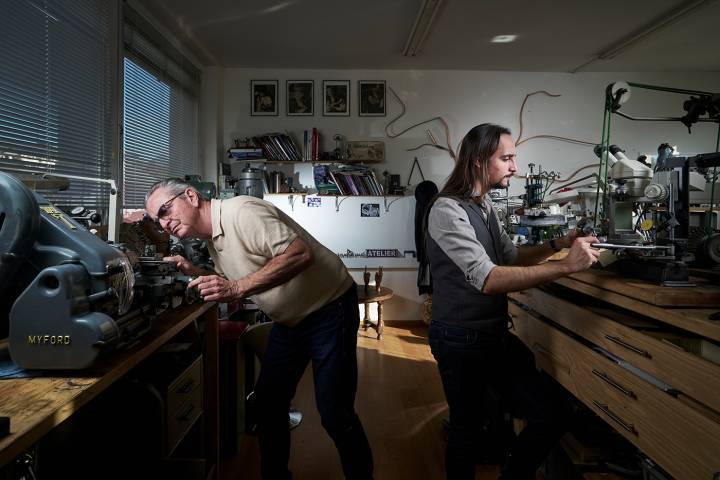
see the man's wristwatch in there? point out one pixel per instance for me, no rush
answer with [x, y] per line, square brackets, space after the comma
[553, 245]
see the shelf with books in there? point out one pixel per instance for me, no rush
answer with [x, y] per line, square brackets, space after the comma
[300, 162]
[388, 200]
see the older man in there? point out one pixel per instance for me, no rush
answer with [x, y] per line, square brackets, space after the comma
[261, 253]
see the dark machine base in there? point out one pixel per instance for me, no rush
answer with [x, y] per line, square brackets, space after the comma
[655, 271]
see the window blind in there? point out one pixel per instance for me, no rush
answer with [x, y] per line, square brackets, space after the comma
[56, 93]
[160, 118]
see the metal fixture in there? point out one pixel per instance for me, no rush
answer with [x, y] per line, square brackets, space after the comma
[421, 27]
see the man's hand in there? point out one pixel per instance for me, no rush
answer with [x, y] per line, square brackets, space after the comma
[213, 288]
[182, 263]
[581, 255]
[567, 240]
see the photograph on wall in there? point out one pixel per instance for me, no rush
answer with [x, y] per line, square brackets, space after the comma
[299, 94]
[263, 97]
[372, 98]
[336, 98]
[369, 209]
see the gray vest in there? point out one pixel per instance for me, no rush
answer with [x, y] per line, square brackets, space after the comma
[457, 302]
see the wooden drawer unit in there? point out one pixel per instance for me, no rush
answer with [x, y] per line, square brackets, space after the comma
[184, 403]
[683, 440]
[558, 362]
[182, 388]
[693, 375]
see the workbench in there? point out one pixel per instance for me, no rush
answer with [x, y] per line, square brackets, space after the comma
[624, 348]
[36, 405]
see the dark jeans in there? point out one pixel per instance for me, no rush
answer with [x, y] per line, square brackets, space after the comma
[328, 337]
[471, 363]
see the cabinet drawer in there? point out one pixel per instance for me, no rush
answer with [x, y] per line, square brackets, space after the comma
[181, 419]
[694, 376]
[184, 385]
[682, 440]
[558, 362]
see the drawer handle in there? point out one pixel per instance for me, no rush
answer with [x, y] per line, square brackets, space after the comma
[185, 416]
[187, 387]
[604, 377]
[606, 410]
[639, 351]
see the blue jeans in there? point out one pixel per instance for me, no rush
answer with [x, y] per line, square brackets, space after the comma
[328, 337]
[472, 363]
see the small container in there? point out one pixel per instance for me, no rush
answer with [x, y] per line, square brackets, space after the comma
[276, 181]
[250, 182]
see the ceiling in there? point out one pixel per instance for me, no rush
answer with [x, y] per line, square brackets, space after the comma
[553, 35]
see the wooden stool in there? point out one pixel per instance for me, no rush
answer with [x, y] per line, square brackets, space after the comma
[368, 295]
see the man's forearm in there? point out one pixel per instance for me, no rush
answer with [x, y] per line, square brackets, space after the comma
[532, 255]
[512, 279]
[276, 272]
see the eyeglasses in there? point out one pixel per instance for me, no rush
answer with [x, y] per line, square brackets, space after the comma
[165, 207]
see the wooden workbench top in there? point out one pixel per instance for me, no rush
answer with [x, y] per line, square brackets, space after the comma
[36, 405]
[702, 294]
[688, 308]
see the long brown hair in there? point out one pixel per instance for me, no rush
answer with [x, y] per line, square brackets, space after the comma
[480, 143]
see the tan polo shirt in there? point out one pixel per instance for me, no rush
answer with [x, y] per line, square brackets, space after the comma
[247, 232]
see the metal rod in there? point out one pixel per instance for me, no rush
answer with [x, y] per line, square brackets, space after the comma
[611, 246]
[592, 175]
[606, 410]
[661, 119]
[668, 89]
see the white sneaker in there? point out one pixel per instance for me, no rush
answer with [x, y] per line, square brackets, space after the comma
[294, 417]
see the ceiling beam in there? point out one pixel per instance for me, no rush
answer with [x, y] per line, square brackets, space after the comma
[421, 27]
[663, 21]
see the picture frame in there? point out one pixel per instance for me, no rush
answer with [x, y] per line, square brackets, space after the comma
[370, 210]
[371, 98]
[365, 150]
[300, 95]
[336, 98]
[264, 97]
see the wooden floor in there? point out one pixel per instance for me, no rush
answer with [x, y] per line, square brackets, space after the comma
[400, 402]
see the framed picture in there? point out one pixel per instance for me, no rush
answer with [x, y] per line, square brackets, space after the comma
[373, 151]
[263, 97]
[300, 98]
[372, 98]
[370, 210]
[336, 98]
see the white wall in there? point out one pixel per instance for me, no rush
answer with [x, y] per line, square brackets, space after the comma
[464, 99]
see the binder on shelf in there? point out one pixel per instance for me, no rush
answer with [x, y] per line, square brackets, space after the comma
[305, 146]
[324, 182]
[354, 180]
[245, 153]
[278, 147]
[315, 144]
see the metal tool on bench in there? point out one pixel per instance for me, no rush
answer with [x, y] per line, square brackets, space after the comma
[67, 294]
[613, 246]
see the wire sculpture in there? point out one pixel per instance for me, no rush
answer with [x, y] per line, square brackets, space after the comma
[389, 131]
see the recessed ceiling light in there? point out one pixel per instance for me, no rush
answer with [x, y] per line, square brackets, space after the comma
[503, 38]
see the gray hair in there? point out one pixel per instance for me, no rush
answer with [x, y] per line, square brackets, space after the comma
[174, 186]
